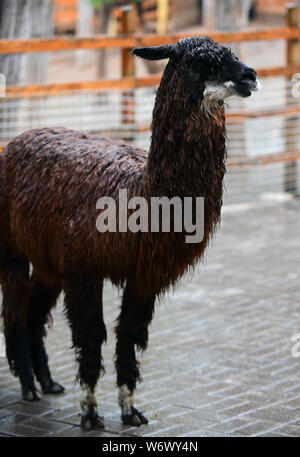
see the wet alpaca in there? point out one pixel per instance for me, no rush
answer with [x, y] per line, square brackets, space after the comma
[50, 181]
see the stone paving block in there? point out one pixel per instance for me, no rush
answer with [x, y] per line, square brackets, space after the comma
[148, 429]
[229, 425]
[293, 403]
[9, 399]
[293, 387]
[44, 424]
[63, 413]
[29, 408]
[13, 419]
[241, 409]
[5, 412]
[278, 414]
[200, 416]
[77, 432]
[219, 361]
[23, 430]
[221, 404]
[288, 430]
[273, 435]
[255, 428]
[170, 431]
[206, 434]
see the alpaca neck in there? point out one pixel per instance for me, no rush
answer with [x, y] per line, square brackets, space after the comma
[187, 150]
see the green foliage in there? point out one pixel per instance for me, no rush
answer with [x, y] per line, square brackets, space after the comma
[97, 3]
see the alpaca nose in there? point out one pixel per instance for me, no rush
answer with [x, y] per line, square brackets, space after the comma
[249, 73]
[249, 78]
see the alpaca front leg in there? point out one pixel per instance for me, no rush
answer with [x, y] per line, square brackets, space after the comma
[90, 418]
[84, 312]
[130, 415]
[132, 330]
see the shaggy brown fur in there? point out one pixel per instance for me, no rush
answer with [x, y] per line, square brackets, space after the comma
[50, 181]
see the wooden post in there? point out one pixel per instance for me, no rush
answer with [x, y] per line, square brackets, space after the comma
[84, 27]
[127, 65]
[292, 53]
[162, 16]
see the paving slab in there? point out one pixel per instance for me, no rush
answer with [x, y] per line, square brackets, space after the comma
[219, 361]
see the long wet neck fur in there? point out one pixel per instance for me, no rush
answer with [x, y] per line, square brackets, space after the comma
[187, 152]
[187, 149]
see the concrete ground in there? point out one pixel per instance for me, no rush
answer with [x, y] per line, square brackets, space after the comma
[220, 357]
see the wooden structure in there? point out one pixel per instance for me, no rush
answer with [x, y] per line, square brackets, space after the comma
[292, 52]
[65, 16]
[270, 6]
[129, 82]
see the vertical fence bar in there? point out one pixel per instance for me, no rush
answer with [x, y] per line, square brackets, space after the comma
[292, 58]
[127, 66]
[162, 16]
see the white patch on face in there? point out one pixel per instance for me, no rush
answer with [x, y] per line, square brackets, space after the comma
[126, 399]
[258, 83]
[229, 84]
[215, 93]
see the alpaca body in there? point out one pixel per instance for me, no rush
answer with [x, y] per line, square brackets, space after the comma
[56, 177]
[51, 180]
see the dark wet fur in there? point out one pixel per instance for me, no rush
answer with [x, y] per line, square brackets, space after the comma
[51, 179]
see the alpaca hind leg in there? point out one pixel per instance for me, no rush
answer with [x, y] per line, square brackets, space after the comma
[84, 312]
[42, 299]
[16, 291]
[132, 330]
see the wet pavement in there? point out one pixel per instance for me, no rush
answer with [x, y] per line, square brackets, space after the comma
[219, 362]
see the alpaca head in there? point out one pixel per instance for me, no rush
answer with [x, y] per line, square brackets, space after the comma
[209, 71]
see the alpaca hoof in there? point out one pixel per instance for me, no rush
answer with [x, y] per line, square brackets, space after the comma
[48, 385]
[91, 421]
[135, 418]
[53, 388]
[31, 395]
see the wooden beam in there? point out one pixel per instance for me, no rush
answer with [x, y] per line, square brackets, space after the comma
[65, 43]
[287, 71]
[266, 159]
[115, 84]
[239, 117]
[98, 85]
[286, 33]
[131, 41]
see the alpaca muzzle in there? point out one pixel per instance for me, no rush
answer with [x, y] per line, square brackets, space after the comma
[246, 86]
[252, 85]
[247, 83]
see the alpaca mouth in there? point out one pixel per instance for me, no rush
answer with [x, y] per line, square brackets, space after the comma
[247, 86]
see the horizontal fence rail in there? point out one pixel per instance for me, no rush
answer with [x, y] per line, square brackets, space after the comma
[117, 84]
[275, 139]
[132, 41]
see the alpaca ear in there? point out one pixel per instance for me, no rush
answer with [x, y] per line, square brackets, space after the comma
[156, 52]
